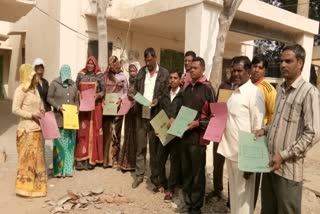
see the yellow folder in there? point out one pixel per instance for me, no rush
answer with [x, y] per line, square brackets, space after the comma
[70, 117]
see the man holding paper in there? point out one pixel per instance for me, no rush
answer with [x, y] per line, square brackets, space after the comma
[151, 82]
[246, 111]
[197, 95]
[259, 66]
[294, 129]
[170, 103]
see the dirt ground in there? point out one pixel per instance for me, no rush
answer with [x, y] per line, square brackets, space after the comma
[144, 200]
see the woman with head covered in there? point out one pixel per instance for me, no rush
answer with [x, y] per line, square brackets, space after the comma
[89, 149]
[31, 178]
[63, 90]
[127, 160]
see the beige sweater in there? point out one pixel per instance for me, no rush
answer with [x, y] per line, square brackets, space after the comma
[24, 105]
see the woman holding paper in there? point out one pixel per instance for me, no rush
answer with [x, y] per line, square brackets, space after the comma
[89, 148]
[62, 96]
[116, 84]
[31, 178]
[127, 160]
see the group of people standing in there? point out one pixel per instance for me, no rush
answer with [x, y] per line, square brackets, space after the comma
[287, 117]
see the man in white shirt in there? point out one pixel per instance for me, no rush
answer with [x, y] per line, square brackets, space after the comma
[151, 81]
[246, 109]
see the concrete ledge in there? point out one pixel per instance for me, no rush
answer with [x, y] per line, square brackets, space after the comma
[13, 10]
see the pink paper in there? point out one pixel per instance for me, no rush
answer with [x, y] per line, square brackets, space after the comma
[87, 99]
[125, 106]
[217, 123]
[49, 126]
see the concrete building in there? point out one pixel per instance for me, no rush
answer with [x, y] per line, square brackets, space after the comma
[10, 11]
[66, 32]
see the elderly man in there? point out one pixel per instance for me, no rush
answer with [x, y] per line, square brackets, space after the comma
[152, 81]
[295, 128]
[246, 109]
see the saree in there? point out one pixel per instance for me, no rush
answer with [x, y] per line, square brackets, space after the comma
[90, 142]
[31, 178]
[112, 125]
[63, 153]
[127, 160]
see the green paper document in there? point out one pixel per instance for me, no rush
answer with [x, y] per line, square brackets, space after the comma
[253, 154]
[180, 125]
[141, 99]
[110, 104]
[159, 124]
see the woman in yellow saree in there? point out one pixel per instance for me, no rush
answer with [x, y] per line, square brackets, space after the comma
[31, 178]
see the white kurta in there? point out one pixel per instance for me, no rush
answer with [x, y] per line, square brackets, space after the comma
[246, 109]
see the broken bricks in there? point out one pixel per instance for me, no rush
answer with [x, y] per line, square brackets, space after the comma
[81, 201]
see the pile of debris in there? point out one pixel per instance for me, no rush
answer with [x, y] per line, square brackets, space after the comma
[81, 201]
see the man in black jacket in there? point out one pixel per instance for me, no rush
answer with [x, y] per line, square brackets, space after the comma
[197, 95]
[151, 82]
[43, 85]
[170, 102]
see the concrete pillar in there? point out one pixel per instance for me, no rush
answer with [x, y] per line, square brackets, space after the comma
[306, 41]
[15, 62]
[303, 8]
[201, 29]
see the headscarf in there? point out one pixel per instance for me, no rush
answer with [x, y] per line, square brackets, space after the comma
[65, 74]
[135, 64]
[94, 60]
[110, 79]
[26, 75]
[38, 61]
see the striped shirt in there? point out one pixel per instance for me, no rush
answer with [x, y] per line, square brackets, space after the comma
[295, 127]
[269, 94]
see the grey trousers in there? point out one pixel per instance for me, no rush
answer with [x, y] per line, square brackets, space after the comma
[280, 195]
[145, 133]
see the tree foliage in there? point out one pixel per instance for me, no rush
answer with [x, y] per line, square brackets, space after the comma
[272, 49]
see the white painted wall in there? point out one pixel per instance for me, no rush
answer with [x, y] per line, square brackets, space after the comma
[72, 44]
[43, 36]
[15, 62]
[306, 41]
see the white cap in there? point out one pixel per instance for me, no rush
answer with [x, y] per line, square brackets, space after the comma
[38, 61]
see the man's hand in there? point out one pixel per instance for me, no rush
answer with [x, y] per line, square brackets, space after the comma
[258, 133]
[170, 123]
[193, 124]
[154, 102]
[276, 162]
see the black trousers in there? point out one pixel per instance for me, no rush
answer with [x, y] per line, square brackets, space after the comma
[172, 149]
[193, 161]
[218, 163]
[256, 188]
[145, 134]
